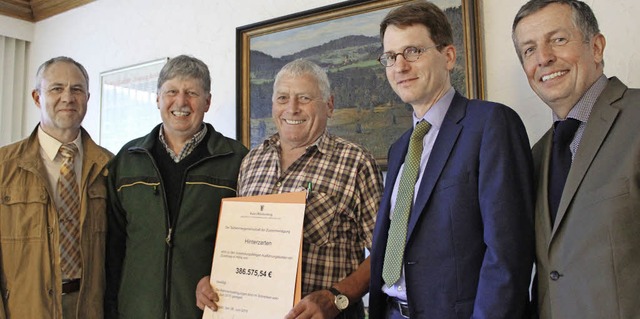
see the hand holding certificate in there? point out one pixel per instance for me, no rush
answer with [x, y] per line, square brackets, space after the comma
[257, 258]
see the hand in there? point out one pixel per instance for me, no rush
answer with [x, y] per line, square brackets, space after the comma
[316, 305]
[205, 295]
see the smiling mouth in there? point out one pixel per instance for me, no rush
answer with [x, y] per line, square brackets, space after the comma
[180, 113]
[405, 81]
[293, 122]
[552, 76]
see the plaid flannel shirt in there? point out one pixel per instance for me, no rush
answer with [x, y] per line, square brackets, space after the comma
[340, 214]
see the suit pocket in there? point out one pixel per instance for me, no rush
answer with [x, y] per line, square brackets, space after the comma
[450, 181]
[22, 213]
[97, 213]
[604, 193]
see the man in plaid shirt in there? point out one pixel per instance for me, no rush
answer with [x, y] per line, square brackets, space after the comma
[345, 186]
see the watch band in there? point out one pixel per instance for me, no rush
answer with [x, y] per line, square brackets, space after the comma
[335, 291]
[340, 300]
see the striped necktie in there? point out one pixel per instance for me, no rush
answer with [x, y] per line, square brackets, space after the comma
[69, 214]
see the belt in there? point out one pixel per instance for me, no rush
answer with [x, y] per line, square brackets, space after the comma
[401, 306]
[69, 286]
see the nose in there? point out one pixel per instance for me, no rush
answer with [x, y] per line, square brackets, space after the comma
[545, 55]
[401, 63]
[181, 98]
[66, 95]
[293, 105]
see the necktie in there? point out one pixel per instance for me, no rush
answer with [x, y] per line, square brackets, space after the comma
[69, 214]
[392, 266]
[560, 162]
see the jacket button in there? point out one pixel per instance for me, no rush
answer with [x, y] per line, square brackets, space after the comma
[554, 275]
[6, 198]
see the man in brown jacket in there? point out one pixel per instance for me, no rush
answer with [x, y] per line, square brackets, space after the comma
[52, 233]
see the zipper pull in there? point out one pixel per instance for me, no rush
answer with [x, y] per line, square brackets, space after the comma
[168, 239]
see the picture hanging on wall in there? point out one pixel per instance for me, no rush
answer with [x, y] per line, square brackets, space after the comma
[344, 40]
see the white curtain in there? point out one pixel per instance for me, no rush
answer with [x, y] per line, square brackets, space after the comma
[13, 92]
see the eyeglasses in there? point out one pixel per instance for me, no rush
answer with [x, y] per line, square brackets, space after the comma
[410, 54]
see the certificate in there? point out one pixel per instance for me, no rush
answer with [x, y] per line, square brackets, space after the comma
[257, 257]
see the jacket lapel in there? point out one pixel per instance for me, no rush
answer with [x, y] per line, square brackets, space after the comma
[440, 153]
[542, 214]
[600, 121]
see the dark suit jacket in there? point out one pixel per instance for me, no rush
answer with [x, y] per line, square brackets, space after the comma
[469, 250]
[589, 262]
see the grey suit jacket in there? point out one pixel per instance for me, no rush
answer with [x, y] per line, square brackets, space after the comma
[588, 262]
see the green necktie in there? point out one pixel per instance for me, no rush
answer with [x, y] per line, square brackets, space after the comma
[398, 230]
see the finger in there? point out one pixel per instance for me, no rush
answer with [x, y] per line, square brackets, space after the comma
[292, 314]
[207, 300]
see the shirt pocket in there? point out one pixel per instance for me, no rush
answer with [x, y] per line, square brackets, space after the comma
[319, 218]
[22, 213]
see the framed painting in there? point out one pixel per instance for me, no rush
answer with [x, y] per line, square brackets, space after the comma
[344, 40]
[128, 103]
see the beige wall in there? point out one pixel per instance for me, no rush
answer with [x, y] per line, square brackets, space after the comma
[109, 34]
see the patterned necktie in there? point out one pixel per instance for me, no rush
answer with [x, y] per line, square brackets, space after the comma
[392, 266]
[560, 162]
[69, 214]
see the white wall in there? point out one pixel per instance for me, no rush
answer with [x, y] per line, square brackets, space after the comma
[109, 34]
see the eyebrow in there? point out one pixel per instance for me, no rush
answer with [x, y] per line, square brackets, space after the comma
[54, 84]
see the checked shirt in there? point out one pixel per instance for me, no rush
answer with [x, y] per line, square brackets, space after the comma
[340, 215]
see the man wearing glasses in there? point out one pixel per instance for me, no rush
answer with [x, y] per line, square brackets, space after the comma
[454, 232]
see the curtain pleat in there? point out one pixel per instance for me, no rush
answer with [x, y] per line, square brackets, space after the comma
[13, 92]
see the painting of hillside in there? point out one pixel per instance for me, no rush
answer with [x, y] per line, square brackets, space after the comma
[367, 112]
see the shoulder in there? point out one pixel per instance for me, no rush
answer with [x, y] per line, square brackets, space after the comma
[491, 116]
[490, 109]
[219, 143]
[14, 150]
[91, 148]
[347, 148]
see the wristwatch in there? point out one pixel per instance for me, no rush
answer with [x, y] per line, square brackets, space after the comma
[341, 301]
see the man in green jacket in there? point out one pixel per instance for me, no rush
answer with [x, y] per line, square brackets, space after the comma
[52, 237]
[164, 198]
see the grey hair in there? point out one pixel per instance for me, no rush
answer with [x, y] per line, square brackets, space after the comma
[302, 67]
[44, 66]
[582, 16]
[187, 67]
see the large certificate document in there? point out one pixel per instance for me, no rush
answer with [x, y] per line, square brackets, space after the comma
[257, 257]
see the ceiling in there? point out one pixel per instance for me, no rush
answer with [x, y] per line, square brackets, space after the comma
[36, 10]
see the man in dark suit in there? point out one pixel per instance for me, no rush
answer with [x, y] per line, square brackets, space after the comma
[468, 236]
[586, 212]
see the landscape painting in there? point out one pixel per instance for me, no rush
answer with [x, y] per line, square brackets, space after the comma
[344, 40]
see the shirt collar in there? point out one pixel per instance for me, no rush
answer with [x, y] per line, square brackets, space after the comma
[188, 147]
[51, 145]
[322, 142]
[582, 109]
[435, 114]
